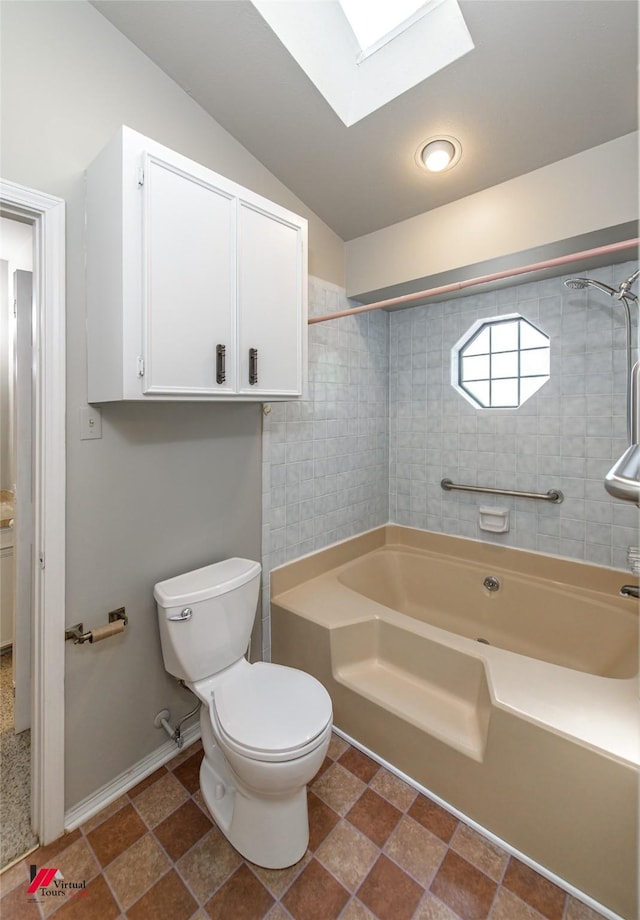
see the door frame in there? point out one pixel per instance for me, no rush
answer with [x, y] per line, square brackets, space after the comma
[47, 216]
[23, 536]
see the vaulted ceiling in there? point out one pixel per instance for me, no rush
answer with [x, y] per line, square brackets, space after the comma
[545, 80]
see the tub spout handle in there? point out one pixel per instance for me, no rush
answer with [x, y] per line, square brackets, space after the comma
[630, 591]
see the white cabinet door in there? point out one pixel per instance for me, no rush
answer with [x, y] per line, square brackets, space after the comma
[189, 331]
[187, 271]
[270, 302]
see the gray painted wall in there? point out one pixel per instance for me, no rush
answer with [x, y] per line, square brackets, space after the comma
[168, 487]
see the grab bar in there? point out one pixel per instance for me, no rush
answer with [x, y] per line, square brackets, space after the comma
[553, 495]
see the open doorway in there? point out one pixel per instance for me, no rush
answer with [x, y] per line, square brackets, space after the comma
[16, 535]
[35, 480]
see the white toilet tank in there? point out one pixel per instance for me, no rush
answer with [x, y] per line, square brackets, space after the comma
[206, 617]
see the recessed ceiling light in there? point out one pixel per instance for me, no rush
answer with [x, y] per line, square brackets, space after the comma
[438, 154]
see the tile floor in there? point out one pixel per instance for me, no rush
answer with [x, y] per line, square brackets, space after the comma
[378, 849]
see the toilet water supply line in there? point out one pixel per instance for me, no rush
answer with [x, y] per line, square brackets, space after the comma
[481, 279]
[162, 719]
[175, 733]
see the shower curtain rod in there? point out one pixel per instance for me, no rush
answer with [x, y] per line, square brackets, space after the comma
[481, 279]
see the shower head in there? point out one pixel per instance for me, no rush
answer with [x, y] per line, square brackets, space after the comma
[576, 283]
[623, 291]
[579, 283]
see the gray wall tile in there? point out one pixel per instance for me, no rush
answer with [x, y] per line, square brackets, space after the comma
[382, 426]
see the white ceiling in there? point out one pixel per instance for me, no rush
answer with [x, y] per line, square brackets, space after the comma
[546, 80]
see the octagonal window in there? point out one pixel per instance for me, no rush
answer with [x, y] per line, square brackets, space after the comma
[500, 362]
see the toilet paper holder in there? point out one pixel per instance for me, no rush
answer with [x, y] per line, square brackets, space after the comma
[117, 621]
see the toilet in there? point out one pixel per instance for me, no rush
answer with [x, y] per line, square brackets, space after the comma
[265, 728]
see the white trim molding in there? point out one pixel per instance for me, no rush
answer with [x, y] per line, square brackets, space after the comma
[107, 794]
[47, 216]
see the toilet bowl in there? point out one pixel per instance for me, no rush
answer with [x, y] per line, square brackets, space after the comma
[265, 728]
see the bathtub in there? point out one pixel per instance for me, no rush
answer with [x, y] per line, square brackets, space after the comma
[503, 681]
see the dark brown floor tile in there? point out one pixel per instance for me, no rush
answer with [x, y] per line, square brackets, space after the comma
[182, 829]
[389, 892]
[359, 764]
[184, 754]
[94, 903]
[374, 816]
[147, 781]
[112, 838]
[322, 820]
[464, 888]
[434, 818]
[169, 899]
[537, 891]
[43, 855]
[315, 895]
[242, 897]
[91, 823]
[189, 772]
[17, 905]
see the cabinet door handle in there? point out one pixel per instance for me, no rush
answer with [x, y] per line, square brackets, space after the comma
[253, 366]
[221, 370]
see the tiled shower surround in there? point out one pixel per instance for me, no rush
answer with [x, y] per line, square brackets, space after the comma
[326, 458]
[566, 436]
[383, 425]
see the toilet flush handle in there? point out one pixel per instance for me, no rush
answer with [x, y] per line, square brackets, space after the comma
[184, 615]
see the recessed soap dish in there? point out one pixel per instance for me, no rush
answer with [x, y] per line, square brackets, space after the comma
[495, 520]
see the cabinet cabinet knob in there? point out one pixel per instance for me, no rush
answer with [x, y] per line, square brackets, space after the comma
[221, 371]
[253, 366]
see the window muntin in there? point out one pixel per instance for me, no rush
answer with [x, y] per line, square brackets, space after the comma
[499, 363]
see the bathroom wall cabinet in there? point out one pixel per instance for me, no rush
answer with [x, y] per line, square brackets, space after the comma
[196, 286]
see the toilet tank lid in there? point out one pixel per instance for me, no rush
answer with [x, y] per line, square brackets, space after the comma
[209, 581]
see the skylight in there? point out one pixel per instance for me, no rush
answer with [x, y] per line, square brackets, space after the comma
[355, 82]
[376, 21]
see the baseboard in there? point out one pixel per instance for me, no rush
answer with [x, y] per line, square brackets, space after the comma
[541, 870]
[98, 800]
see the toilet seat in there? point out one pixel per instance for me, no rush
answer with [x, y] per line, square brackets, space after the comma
[271, 713]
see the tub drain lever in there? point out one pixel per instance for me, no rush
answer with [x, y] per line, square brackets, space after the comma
[630, 591]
